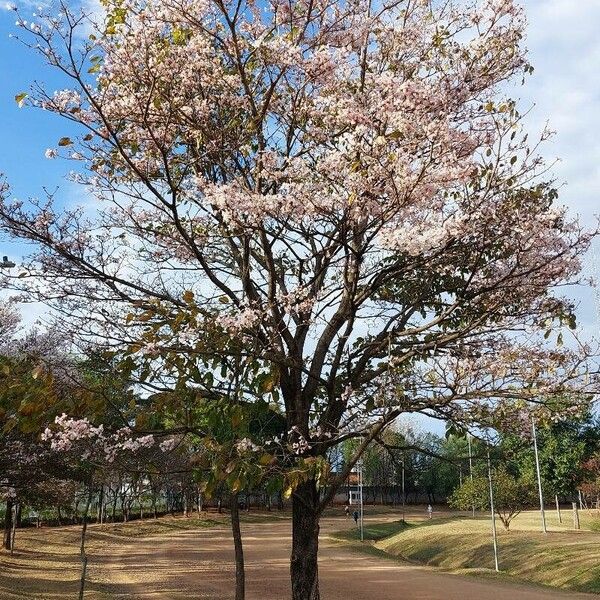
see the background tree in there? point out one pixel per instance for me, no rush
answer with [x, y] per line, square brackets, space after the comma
[563, 447]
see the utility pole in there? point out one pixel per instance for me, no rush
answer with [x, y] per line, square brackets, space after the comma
[360, 495]
[494, 533]
[470, 466]
[539, 476]
[403, 493]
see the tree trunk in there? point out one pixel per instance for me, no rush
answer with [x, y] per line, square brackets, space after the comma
[82, 555]
[305, 542]
[100, 515]
[240, 576]
[13, 533]
[124, 514]
[8, 517]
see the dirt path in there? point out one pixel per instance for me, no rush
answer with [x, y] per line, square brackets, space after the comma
[194, 565]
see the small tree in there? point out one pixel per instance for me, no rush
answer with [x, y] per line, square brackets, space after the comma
[590, 487]
[511, 495]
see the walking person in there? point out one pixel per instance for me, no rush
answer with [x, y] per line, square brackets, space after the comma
[429, 510]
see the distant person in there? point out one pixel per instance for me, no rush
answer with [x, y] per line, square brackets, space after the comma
[347, 510]
[429, 510]
[355, 515]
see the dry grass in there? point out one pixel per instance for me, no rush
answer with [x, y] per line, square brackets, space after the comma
[563, 558]
[46, 565]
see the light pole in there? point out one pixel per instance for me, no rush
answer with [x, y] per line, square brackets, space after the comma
[360, 497]
[494, 533]
[471, 465]
[403, 493]
[539, 476]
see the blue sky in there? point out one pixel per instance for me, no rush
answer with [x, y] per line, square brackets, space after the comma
[564, 48]
[24, 134]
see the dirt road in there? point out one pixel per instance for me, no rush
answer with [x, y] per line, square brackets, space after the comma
[198, 564]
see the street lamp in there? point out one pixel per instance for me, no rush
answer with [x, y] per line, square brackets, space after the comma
[360, 498]
[471, 465]
[539, 476]
[494, 534]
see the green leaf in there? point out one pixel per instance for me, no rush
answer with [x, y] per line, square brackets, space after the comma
[20, 98]
[209, 380]
[266, 459]
[236, 417]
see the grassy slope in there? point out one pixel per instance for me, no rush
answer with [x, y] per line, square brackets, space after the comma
[562, 558]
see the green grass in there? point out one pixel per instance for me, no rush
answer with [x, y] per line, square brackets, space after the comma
[562, 558]
[373, 532]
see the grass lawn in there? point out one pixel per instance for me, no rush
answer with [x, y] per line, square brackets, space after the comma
[562, 558]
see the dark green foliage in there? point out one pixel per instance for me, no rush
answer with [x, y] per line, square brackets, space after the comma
[511, 495]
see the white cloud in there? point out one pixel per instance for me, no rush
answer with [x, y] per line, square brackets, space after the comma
[565, 50]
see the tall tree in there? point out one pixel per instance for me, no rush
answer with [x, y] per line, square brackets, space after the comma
[339, 186]
[563, 447]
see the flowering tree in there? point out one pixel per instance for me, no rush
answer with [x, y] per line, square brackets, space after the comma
[31, 387]
[90, 451]
[339, 187]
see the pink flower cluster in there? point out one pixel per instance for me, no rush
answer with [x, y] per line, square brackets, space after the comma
[92, 442]
[69, 431]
